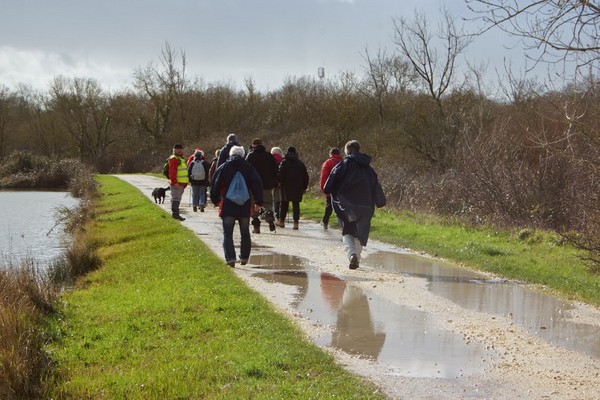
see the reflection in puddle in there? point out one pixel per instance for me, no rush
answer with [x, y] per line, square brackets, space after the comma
[537, 313]
[404, 340]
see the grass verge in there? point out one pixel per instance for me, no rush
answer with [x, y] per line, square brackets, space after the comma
[166, 318]
[527, 255]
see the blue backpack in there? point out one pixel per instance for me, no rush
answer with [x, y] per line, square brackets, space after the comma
[238, 191]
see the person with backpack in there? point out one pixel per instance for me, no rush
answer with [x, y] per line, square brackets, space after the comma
[278, 155]
[178, 179]
[234, 187]
[198, 174]
[266, 166]
[334, 159]
[355, 192]
[293, 178]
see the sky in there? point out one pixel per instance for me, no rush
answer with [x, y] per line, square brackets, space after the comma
[223, 40]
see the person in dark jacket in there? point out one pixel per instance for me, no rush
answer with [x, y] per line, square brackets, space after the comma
[278, 154]
[198, 174]
[293, 178]
[213, 165]
[266, 166]
[334, 159]
[224, 155]
[355, 192]
[230, 211]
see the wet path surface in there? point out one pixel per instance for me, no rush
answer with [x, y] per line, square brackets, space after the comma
[417, 326]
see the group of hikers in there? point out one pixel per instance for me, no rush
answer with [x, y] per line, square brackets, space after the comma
[261, 184]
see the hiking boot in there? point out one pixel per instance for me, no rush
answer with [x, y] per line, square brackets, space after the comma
[201, 208]
[231, 263]
[178, 217]
[280, 223]
[323, 224]
[295, 226]
[353, 261]
[243, 261]
[195, 209]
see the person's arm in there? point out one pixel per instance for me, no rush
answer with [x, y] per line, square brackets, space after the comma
[173, 165]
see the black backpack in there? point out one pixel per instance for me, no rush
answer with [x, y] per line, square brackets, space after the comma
[165, 169]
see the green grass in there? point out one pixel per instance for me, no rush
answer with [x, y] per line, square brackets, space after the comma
[527, 255]
[164, 318]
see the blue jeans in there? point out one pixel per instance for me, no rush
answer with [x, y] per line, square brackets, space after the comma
[198, 195]
[228, 247]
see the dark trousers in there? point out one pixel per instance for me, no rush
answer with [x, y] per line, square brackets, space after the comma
[328, 210]
[285, 206]
[228, 247]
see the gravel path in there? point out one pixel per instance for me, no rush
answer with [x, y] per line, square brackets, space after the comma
[511, 363]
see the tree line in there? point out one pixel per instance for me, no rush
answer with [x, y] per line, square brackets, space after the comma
[520, 153]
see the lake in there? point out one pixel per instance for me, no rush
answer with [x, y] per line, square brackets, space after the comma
[28, 224]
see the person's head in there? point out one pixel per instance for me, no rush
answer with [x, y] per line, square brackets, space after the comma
[255, 142]
[291, 150]
[178, 150]
[217, 153]
[352, 147]
[232, 137]
[237, 151]
[277, 150]
[334, 151]
[198, 154]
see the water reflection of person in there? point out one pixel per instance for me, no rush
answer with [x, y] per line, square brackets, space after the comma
[355, 332]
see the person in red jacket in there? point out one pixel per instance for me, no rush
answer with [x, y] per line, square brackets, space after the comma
[334, 159]
[178, 179]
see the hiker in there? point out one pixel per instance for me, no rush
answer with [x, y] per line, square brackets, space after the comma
[213, 165]
[178, 179]
[230, 209]
[193, 155]
[293, 178]
[334, 159]
[198, 174]
[278, 155]
[224, 155]
[355, 192]
[266, 166]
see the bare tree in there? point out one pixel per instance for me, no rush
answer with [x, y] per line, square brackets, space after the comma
[434, 61]
[385, 75]
[84, 112]
[415, 42]
[551, 29]
[163, 86]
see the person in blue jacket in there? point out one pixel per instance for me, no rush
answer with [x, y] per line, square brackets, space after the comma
[229, 210]
[355, 192]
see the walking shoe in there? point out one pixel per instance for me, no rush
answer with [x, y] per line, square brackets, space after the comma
[353, 261]
[201, 208]
[243, 261]
[231, 264]
[295, 226]
[178, 217]
[324, 225]
[280, 223]
[195, 209]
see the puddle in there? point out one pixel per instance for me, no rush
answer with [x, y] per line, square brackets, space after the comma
[405, 341]
[276, 261]
[539, 314]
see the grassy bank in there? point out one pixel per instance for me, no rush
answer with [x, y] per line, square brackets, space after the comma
[166, 318]
[527, 255]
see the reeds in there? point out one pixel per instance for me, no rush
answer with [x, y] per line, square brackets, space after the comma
[28, 296]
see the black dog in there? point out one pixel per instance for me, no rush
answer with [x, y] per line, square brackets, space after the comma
[159, 194]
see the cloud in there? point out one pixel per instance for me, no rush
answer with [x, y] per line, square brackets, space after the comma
[37, 68]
